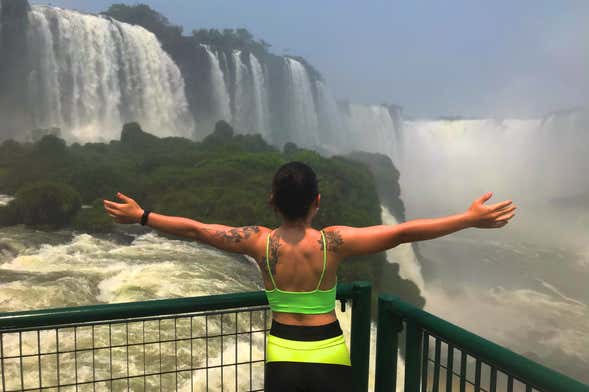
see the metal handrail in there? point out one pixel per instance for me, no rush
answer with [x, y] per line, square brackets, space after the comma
[392, 313]
[358, 293]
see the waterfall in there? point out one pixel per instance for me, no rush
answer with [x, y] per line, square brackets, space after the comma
[90, 74]
[302, 116]
[260, 96]
[409, 267]
[242, 100]
[332, 131]
[372, 128]
[221, 102]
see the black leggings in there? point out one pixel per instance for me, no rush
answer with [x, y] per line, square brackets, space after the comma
[298, 376]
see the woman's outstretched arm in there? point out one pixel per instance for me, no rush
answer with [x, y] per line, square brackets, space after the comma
[351, 241]
[232, 239]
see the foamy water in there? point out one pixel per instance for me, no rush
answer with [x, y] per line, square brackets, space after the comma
[5, 199]
[45, 270]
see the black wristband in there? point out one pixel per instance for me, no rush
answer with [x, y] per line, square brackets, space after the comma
[144, 217]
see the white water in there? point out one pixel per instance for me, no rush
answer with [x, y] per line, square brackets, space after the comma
[44, 270]
[523, 286]
[403, 255]
[91, 74]
[241, 99]
[5, 199]
[260, 97]
[372, 129]
[333, 132]
[222, 104]
[245, 103]
[530, 276]
[301, 105]
[250, 103]
[447, 164]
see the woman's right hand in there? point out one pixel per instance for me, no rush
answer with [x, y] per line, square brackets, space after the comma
[490, 216]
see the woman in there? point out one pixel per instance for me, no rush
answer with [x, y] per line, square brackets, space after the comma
[306, 349]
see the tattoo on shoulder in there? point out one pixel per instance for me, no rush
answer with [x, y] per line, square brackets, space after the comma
[274, 248]
[237, 234]
[333, 240]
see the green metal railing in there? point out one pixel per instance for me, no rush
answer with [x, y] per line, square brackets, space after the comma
[204, 343]
[461, 360]
[218, 343]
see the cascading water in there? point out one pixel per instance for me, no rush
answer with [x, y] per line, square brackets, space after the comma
[260, 96]
[332, 131]
[409, 267]
[534, 161]
[242, 102]
[220, 95]
[530, 275]
[372, 128]
[245, 103]
[90, 74]
[302, 115]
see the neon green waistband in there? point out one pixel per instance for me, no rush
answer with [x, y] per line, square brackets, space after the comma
[332, 350]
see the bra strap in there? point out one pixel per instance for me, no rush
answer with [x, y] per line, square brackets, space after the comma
[324, 260]
[267, 262]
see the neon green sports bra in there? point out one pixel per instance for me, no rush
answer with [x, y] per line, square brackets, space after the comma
[306, 302]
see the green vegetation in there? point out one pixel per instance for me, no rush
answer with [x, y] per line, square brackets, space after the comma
[42, 204]
[181, 47]
[171, 35]
[231, 39]
[387, 180]
[224, 179]
[144, 16]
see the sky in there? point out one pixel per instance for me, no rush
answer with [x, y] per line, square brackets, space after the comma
[452, 58]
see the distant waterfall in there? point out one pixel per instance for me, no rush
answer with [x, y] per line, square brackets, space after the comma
[372, 128]
[90, 74]
[332, 130]
[302, 115]
[221, 101]
[248, 102]
[240, 92]
[404, 255]
[540, 163]
[260, 96]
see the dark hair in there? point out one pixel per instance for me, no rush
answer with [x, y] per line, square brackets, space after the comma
[294, 188]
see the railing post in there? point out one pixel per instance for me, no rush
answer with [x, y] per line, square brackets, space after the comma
[413, 356]
[360, 339]
[387, 345]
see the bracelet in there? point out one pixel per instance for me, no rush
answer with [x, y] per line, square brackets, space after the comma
[144, 217]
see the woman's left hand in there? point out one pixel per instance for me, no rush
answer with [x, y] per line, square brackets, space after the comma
[127, 212]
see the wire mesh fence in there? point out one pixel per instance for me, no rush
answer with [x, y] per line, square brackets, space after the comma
[448, 368]
[208, 343]
[214, 350]
[442, 357]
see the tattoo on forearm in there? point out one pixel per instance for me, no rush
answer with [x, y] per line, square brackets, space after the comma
[274, 248]
[237, 234]
[333, 240]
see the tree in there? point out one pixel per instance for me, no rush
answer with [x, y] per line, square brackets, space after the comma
[46, 204]
[223, 130]
[145, 16]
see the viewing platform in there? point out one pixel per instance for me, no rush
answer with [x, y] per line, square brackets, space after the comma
[217, 342]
